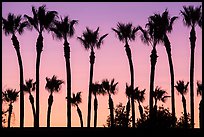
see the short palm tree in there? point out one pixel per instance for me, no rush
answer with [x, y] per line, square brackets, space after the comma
[110, 88]
[200, 92]
[28, 87]
[96, 89]
[12, 25]
[75, 101]
[91, 40]
[52, 85]
[62, 30]
[10, 96]
[182, 88]
[125, 33]
[42, 20]
[191, 18]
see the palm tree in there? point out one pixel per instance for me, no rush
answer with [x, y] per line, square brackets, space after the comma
[96, 89]
[90, 40]
[110, 88]
[125, 33]
[139, 96]
[30, 86]
[200, 92]
[52, 85]
[75, 100]
[10, 96]
[62, 30]
[128, 94]
[42, 20]
[191, 18]
[182, 88]
[12, 25]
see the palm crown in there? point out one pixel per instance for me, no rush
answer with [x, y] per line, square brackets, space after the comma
[76, 98]
[10, 95]
[139, 94]
[53, 84]
[181, 87]
[159, 94]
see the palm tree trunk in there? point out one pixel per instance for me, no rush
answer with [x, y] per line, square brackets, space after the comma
[50, 101]
[68, 70]
[92, 60]
[17, 48]
[95, 111]
[9, 116]
[201, 109]
[168, 50]
[127, 112]
[192, 41]
[153, 57]
[111, 111]
[129, 55]
[80, 115]
[31, 98]
[39, 46]
[185, 111]
[141, 110]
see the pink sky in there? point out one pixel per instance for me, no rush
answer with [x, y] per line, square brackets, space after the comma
[111, 60]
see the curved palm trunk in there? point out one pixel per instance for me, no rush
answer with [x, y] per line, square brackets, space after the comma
[95, 111]
[50, 101]
[31, 98]
[80, 115]
[168, 50]
[185, 111]
[129, 55]
[39, 46]
[141, 110]
[9, 116]
[92, 60]
[127, 112]
[153, 57]
[192, 41]
[17, 48]
[68, 70]
[110, 102]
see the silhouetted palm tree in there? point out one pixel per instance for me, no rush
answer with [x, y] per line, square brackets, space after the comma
[128, 94]
[52, 85]
[12, 25]
[62, 30]
[182, 88]
[90, 40]
[10, 96]
[125, 33]
[42, 20]
[200, 92]
[96, 89]
[75, 100]
[110, 88]
[28, 87]
[191, 18]
[139, 96]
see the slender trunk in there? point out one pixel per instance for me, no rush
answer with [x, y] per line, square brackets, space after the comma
[31, 98]
[127, 112]
[39, 47]
[50, 101]
[201, 119]
[141, 110]
[68, 70]
[80, 115]
[168, 50]
[92, 60]
[111, 111]
[185, 111]
[9, 116]
[153, 57]
[129, 55]
[95, 111]
[17, 48]
[192, 41]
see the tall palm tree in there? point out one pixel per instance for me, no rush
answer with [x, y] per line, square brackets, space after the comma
[90, 39]
[128, 94]
[75, 101]
[62, 30]
[125, 33]
[28, 87]
[200, 92]
[10, 96]
[53, 85]
[191, 18]
[42, 20]
[139, 96]
[182, 88]
[96, 89]
[110, 88]
[12, 25]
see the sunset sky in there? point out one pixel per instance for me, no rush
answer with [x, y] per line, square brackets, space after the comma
[111, 60]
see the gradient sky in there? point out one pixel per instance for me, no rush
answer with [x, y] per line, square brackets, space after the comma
[111, 60]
